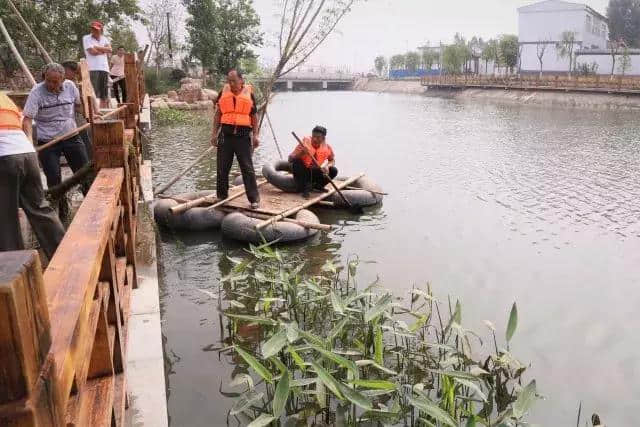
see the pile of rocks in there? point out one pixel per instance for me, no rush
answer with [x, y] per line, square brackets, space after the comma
[190, 96]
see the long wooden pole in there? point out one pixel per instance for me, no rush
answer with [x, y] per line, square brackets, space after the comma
[28, 28]
[24, 67]
[305, 224]
[305, 205]
[183, 207]
[79, 129]
[235, 196]
[182, 173]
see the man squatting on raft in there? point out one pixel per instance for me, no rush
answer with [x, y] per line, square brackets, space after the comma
[307, 175]
[236, 117]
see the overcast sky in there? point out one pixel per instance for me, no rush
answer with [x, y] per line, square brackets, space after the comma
[387, 27]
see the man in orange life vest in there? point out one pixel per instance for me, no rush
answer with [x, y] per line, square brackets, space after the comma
[236, 117]
[21, 186]
[307, 175]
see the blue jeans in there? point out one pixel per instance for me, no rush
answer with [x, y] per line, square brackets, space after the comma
[74, 151]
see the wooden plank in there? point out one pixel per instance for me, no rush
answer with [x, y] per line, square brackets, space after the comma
[120, 399]
[97, 406]
[24, 324]
[291, 211]
[77, 262]
[101, 354]
[121, 271]
[132, 80]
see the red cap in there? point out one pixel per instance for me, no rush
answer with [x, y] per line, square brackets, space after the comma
[97, 25]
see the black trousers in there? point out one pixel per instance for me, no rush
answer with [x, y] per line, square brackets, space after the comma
[308, 178]
[119, 87]
[21, 186]
[74, 151]
[240, 146]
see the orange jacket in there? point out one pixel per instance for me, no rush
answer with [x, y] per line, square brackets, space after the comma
[10, 115]
[236, 109]
[322, 153]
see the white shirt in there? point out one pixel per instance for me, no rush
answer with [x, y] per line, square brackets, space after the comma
[96, 62]
[14, 142]
[117, 66]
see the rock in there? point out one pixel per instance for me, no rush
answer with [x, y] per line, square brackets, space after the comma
[204, 105]
[172, 94]
[209, 94]
[158, 104]
[190, 92]
[179, 105]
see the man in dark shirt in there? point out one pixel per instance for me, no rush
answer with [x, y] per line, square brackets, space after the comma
[235, 132]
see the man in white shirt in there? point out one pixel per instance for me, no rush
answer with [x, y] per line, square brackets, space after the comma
[96, 47]
[21, 186]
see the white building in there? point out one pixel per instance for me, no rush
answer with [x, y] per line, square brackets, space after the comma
[541, 25]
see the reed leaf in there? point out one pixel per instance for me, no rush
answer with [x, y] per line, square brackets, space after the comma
[526, 399]
[513, 322]
[378, 345]
[262, 421]
[381, 306]
[245, 401]
[328, 380]
[282, 395]
[356, 397]
[252, 319]
[375, 384]
[433, 410]
[274, 344]
[255, 364]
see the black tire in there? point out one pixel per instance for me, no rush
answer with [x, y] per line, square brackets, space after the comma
[240, 227]
[195, 219]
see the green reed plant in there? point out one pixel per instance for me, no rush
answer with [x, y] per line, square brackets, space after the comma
[318, 349]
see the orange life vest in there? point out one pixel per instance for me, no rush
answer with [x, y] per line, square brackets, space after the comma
[321, 154]
[10, 115]
[236, 109]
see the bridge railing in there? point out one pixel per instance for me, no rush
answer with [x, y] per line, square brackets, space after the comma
[63, 332]
[558, 82]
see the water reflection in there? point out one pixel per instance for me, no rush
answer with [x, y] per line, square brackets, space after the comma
[489, 202]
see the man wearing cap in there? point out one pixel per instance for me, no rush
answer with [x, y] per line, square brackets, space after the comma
[96, 47]
[21, 186]
[306, 174]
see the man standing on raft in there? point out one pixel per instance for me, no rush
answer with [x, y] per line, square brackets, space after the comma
[305, 173]
[236, 117]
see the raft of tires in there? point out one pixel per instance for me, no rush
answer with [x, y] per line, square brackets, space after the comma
[237, 225]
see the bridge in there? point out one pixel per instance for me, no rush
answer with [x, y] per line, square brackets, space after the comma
[311, 81]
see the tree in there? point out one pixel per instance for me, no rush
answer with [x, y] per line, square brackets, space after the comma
[566, 47]
[454, 58]
[412, 61]
[398, 62]
[614, 51]
[429, 58]
[624, 21]
[222, 33]
[123, 35]
[625, 61]
[509, 48]
[491, 53]
[541, 48]
[155, 18]
[380, 64]
[59, 25]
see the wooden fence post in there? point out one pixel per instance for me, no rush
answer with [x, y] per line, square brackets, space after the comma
[28, 390]
[132, 80]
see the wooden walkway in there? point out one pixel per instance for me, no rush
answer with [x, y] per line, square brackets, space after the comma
[591, 84]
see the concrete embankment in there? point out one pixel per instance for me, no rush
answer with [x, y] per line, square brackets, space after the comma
[529, 97]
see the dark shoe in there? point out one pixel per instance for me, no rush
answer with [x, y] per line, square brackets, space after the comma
[255, 205]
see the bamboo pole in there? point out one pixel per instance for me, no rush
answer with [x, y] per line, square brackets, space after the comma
[173, 180]
[202, 200]
[28, 28]
[313, 201]
[305, 224]
[64, 136]
[13, 48]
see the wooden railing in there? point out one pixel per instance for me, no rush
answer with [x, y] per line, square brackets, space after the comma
[63, 333]
[618, 84]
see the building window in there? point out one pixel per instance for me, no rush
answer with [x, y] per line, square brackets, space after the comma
[604, 30]
[589, 25]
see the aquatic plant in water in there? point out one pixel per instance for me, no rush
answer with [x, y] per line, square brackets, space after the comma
[316, 349]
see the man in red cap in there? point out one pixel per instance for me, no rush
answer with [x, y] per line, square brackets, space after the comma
[96, 47]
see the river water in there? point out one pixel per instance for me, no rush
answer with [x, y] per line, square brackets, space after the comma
[491, 203]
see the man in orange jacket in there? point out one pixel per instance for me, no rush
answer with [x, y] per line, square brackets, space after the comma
[236, 118]
[307, 175]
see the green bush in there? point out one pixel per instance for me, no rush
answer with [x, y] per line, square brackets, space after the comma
[162, 82]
